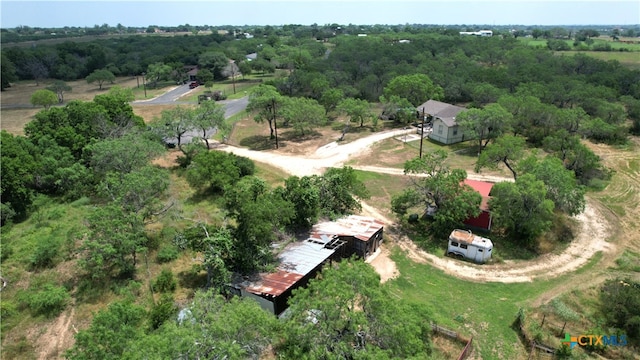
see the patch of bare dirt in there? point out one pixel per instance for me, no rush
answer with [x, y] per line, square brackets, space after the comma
[55, 338]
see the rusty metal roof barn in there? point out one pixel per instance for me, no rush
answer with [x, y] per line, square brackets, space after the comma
[300, 259]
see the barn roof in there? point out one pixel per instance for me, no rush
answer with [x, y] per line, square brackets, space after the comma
[484, 188]
[361, 227]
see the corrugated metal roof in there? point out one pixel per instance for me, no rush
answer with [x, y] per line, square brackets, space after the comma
[300, 258]
[360, 227]
[484, 188]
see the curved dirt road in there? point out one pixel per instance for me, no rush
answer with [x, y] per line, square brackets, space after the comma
[591, 238]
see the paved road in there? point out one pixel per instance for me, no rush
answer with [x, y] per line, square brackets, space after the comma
[172, 97]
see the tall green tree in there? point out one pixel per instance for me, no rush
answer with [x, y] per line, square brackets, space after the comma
[340, 190]
[305, 197]
[507, 150]
[435, 186]
[213, 328]
[111, 333]
[101, 76]
[417, 88]
[44, 97]
[348, 314]
[562, 186]
[59, 87]
[208, 117]
[357, 110]
[157, 72]
[330, 99]
[122, 155]
[7, 72]
[485, 124]
[18, 166]
[215, 61]
[522, 208]
[212, 170]
[174, 123]
[266, 102]
[303, 113]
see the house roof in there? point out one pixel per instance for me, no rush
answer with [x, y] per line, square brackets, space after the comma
[445, 112]
[484, 188]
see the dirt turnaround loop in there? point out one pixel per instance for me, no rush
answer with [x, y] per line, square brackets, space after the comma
[591, 238]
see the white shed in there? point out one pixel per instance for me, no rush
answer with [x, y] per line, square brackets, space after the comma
[464, 244]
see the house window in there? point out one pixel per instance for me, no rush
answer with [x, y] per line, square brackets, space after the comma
[480, 250]
[453, 243]
[455, 131]
[463, 246]
[439, 129]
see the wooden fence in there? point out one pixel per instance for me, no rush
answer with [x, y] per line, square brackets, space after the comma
[468, 348]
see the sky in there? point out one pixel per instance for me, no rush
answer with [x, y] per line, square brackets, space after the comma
[53, 13]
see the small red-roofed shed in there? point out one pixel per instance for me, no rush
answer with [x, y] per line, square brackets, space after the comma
[482, 221]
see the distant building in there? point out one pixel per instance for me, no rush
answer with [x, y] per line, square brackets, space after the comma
[478, 33]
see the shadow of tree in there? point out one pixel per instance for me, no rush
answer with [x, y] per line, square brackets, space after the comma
[258, 142]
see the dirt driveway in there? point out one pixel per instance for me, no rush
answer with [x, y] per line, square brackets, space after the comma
[592, 237]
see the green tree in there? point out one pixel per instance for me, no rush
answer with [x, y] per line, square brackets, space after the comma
[209, 117]
[111, 333]
[213, 328]
[120, 112]
[245, 68]
[507, 149]
[205, 76]
[215, 61]
[330, 99]
[562, 186]
[138, 192]
[116, 237]
[522, 208]
[348, 314]
[212, 171]
[485, 124]
[303, 113]
[100, 76]
[122, 155]
[7, 72]
[398, 109]
[156, 72]
[483, 94]
[44, 98]
[416, 88]
[435, 186]
[356, 109]
[305, 197]
[620, 306]
[174, 123]
[218, 248]
[18, 165]
[59, 87]
[339, 190]
[265, 101]
[260, 214]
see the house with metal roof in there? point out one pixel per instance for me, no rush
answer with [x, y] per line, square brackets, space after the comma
[482, 221]
[300, 262]
[442, 116]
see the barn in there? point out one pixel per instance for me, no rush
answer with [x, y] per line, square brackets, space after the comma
[482, 221]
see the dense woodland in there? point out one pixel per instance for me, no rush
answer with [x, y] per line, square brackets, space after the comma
[531, 111]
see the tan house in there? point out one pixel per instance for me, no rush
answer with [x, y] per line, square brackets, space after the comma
[442, 116]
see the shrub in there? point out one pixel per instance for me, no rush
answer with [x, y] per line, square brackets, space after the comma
[247, 166]
[162, 311]
[167, 254]
[45, 253]
[165, 282]
[48, 299]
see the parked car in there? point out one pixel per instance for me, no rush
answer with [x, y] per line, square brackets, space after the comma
[193, 85]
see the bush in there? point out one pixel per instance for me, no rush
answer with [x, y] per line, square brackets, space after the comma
[164, 310]
[48, 299]
[620, 301]
[167, 254]
[247, 166]
[45, 253]
[165, 282]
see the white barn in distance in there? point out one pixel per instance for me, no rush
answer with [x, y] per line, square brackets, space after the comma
[477, 33]
[464, 244]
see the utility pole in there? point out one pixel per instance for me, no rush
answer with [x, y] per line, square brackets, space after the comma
[422, 132]
[275, 123]
[144, 85]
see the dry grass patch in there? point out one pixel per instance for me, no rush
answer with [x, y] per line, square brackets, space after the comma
[14, 120]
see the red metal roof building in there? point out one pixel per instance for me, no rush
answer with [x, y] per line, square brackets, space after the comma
[482, 221]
